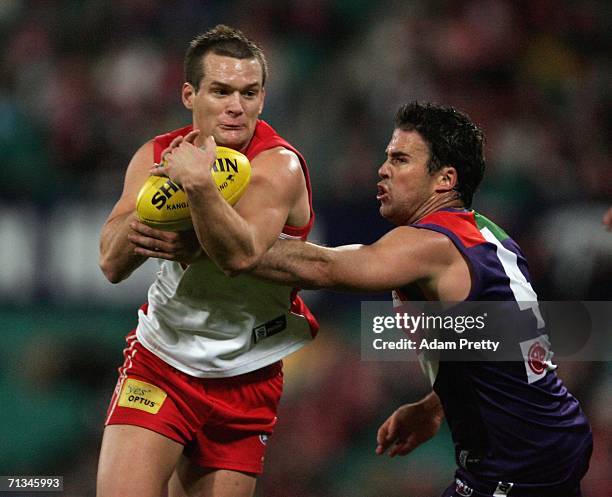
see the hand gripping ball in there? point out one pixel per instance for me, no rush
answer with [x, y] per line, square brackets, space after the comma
[163, 204]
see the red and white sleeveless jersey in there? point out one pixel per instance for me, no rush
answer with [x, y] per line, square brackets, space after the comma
[206, 324]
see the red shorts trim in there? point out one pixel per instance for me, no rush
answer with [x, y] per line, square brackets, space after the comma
[222, 422]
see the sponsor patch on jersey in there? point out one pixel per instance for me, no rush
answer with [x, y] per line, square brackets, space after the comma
[536, 355]
[465, 458]
[270, 328]
[137, 394]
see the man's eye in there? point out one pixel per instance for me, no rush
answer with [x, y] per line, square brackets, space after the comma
[250, 94]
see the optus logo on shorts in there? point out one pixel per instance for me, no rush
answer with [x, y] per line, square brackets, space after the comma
[137, 394]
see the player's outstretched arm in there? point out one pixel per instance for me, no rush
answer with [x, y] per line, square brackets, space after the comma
[410, 426]
[404, 255]
[236, 238]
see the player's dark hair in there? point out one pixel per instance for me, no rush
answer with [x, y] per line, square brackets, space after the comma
[453, 139]
[220, 40]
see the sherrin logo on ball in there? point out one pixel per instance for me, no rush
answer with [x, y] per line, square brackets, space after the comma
[163, 204]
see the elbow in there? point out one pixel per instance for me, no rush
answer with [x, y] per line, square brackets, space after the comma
[236, 266]
[239, 262]
[110, 272]
[112, 276]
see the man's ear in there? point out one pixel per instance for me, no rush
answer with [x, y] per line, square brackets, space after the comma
[447, 179]
[187, 94]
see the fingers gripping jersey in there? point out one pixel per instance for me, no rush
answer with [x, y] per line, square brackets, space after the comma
[209, 325]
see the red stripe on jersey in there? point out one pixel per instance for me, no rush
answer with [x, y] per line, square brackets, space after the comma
[299, 307]
[460, 223]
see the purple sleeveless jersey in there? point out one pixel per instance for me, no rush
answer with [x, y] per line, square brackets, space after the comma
[516, 428]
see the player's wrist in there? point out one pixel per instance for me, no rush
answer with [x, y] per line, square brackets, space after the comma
[201, 185]
[431, 404]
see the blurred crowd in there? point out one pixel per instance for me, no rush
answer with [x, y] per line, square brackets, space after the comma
[83, 83]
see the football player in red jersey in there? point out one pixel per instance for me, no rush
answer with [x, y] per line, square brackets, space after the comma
[198, 391]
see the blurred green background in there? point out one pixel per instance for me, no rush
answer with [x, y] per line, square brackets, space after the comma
[83, 83]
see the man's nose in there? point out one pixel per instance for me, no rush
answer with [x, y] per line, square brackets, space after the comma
[235, 104]
[383, 170]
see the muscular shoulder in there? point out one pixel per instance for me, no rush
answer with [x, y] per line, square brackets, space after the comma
[430, 251]
[145, 152]
[279, 157]
[138, 168]
[279, 166]
[136, 174]
[443, 273]
[429, 245]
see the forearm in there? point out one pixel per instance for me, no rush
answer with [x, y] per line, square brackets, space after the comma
[222, 232]
[297, 263]
[117, 257]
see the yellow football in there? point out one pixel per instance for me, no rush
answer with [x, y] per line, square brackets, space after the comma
[163, 204]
